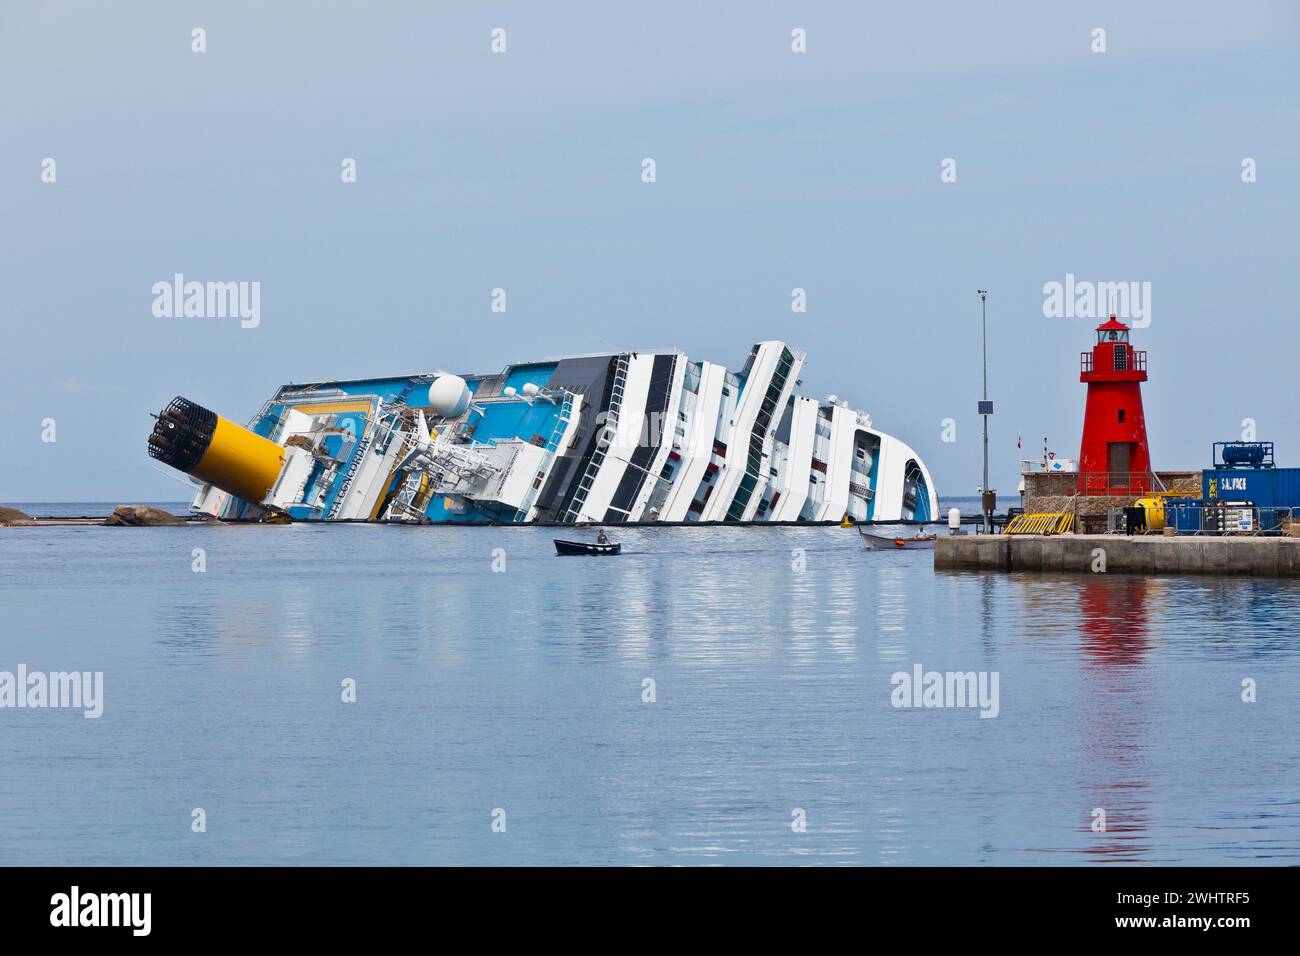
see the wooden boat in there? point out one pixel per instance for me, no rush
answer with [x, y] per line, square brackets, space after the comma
[569, 548]
[880, 542]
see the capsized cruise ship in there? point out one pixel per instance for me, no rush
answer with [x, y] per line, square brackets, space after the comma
[609, 438]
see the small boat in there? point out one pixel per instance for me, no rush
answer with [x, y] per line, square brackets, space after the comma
[569, 548]
[880, 542]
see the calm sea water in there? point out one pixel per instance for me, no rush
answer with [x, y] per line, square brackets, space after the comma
[522, 691]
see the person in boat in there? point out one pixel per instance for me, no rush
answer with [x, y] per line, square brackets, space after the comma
[600, 537]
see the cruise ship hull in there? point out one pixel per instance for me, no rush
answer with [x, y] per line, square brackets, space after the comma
[632, 437]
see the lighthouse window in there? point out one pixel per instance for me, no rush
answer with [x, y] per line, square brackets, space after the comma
[1121, 416]
[1121, 358]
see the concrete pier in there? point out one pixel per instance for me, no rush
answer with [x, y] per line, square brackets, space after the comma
[1142, 554]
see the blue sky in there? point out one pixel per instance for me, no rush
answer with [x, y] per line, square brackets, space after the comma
[522, 170]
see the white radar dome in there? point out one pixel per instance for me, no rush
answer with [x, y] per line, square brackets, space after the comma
[530, 389]
[447, 397]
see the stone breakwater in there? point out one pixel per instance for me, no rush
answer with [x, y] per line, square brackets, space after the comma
[1272, 557]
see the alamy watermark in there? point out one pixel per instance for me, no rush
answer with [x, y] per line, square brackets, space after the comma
[73, 690]
[128, 910]
[1075, 299]
[927, 689]
[208, 300]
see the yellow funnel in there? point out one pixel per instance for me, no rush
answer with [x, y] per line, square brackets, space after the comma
[201, 443]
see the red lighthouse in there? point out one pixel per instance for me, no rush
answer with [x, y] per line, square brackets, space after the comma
[1113, 457]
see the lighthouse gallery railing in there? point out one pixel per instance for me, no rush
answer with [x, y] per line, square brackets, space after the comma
[1139, 363]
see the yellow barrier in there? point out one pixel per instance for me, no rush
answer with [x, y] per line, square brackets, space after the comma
[1044, 523]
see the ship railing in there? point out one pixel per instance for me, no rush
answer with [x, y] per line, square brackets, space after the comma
[286, 401]
[403, 502]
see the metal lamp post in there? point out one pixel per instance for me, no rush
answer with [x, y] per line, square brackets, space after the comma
[988, 498]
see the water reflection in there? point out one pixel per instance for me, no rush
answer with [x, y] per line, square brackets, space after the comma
[1114, 643]
[891, 612]
[1113, 618]
[524, 689]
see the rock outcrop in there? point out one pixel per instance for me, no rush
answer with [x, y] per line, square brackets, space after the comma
[141, 516]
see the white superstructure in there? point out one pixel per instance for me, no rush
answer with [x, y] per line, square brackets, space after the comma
[606, 438]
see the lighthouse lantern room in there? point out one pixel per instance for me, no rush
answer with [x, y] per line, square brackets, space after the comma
[1113, 457]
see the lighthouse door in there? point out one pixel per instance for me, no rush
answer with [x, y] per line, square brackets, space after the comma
[1119, 454]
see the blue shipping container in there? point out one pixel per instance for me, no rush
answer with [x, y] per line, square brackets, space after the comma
[1265, 487]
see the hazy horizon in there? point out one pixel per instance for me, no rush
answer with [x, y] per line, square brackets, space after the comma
[522, 170]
